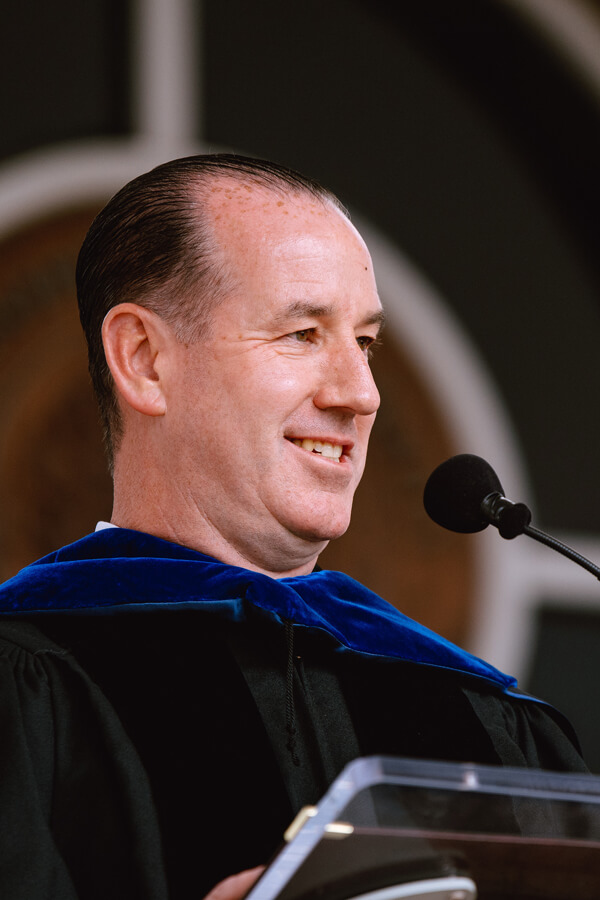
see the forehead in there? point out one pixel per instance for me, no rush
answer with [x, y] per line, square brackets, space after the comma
[241, 195]
[265, 233]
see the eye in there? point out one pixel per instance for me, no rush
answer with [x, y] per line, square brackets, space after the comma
[366, 342]
[304, 335]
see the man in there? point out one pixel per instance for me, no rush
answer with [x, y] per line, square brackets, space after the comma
[175, 687]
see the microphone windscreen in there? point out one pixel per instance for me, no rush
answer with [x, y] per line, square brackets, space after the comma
[455, 490]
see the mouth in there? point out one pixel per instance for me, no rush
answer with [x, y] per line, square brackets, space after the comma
[334, 452]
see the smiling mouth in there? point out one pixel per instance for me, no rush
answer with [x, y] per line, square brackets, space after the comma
[322, 448]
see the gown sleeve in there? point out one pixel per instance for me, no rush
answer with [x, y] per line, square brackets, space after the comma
[77, 819]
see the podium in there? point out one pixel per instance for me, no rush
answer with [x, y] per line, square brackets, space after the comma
[393, 828]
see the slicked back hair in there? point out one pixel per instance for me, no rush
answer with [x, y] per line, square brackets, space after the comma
[153, 245]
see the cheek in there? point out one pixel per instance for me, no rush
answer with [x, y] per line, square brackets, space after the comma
[364, 427]
[269, 391]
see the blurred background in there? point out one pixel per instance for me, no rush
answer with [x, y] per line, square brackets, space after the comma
[465, 139]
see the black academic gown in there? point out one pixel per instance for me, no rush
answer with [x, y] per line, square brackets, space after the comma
[150, 752]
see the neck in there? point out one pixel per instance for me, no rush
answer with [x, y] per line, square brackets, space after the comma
[287, 558]
[145, 500]
[280, 566]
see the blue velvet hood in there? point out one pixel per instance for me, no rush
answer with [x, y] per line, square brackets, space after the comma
[117, 569]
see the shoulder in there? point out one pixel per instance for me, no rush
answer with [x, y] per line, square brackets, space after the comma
[37, 676]
[36, 672]
[21, 638]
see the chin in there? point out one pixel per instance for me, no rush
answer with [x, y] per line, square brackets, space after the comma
[322, 529]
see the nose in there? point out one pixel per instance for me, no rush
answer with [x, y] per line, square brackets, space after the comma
[347, 382]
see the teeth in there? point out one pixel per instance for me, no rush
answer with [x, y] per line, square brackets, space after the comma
[331, 451]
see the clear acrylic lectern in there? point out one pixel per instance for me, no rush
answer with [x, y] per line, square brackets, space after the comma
[399, 828]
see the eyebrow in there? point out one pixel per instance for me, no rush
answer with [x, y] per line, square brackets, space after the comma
[377, 318]
[318, 311]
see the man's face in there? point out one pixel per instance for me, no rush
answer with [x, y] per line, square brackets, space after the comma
[273, 409]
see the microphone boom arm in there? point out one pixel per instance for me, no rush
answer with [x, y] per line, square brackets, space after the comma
[557, 545]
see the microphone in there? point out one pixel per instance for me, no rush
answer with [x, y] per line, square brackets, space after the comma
[464, 494]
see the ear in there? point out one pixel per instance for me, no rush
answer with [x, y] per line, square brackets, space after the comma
[135, 341]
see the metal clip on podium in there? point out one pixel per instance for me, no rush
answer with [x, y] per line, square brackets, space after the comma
[399, 828]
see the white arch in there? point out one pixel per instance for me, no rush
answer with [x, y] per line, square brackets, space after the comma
[573, 28]
[59, 177]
